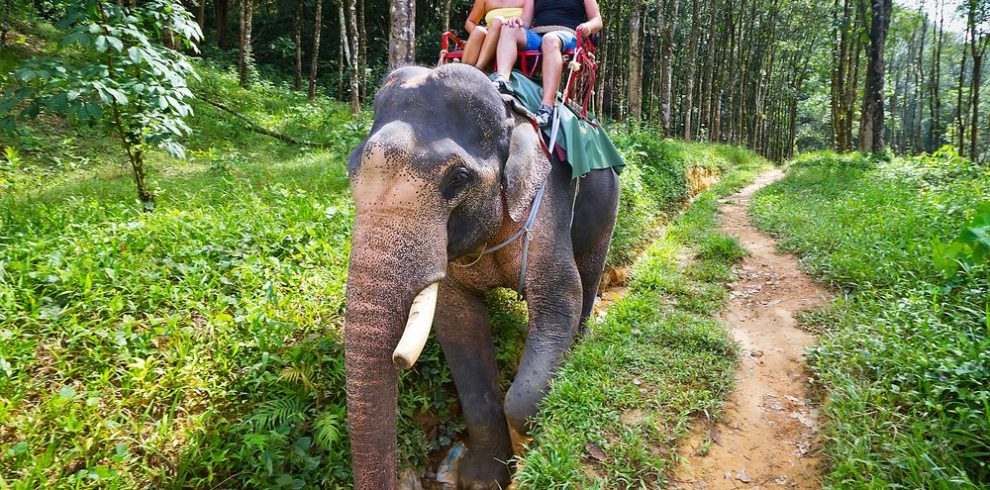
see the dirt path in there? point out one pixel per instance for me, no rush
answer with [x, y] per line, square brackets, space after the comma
[767, 436]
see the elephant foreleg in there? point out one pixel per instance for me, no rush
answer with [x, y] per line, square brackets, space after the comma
[554, 303]
[465, 336]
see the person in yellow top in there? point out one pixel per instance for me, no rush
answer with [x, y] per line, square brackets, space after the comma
[482, 40]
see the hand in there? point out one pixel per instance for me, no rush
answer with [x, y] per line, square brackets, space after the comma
[583, 29]
[514, 22]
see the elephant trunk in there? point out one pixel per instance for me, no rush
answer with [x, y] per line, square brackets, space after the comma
[389, 265]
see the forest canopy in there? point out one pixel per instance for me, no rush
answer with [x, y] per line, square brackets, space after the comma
[778, 76]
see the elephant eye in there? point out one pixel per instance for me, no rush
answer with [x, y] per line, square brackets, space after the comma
[455, 181]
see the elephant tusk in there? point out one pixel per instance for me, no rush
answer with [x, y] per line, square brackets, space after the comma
[417, 327]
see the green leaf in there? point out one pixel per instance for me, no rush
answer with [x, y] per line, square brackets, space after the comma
[134, 53]
[116, 43]
[117, 95]
[67, 393]
[18, 449]
[101, 43]
[25, 74]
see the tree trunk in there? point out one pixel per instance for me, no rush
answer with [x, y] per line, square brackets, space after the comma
[872, 124]
[977, 47]
[918, 110]
[635, 64]
[689, 80]
[354, 62]
[246, 58]
[201, 16]
[315, 59]
[935, 99]
[446, 15]
[706, 85]
[364, 50]
[974, 121]
[343, 52]
[297, 36]
[402, 34]
[220, 10]
[666, 72]
[960, 109]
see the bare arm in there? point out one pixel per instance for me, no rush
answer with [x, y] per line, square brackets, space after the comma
[594, 23]
[477, 12]
[526, 19]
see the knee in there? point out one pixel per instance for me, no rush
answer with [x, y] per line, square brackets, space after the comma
[520, 405]
[550, 44]
[479, 31]
[496, 24]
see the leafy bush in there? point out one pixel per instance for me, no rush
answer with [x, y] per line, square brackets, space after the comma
[654, 185]
[904, 356]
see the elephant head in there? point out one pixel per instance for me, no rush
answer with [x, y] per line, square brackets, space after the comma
[445, 166]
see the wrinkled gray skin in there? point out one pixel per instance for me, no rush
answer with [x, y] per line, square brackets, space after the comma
[446, 169]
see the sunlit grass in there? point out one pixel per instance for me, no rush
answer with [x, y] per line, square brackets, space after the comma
[903, 358]
[657, 360]
[200, 345]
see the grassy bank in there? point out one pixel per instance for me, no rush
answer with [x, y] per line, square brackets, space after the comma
[903, 354]
[200, 345]
[658, 358]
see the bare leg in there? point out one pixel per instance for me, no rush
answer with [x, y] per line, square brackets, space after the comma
[474, 44]
[553, 65]
[509, 43]
[484, 58]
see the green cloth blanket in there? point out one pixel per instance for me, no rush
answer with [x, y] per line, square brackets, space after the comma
[587, 147]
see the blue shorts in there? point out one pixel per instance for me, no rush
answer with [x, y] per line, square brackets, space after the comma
[568, 41]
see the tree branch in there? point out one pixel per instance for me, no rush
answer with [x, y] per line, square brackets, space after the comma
[255, 127]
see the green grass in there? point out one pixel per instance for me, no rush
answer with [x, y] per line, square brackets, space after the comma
[656, 361]
[903, 358]
[199, 346]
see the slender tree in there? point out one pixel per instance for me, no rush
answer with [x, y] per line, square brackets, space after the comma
[691, 63]
[355, 64]
[315, 59]
[666, 66]
[935, 98]
[245, 60]
[201, 15]
[635, 63]
[871, 133]
[402, 35]
[221, 9]
[297, 38]
[979, 38]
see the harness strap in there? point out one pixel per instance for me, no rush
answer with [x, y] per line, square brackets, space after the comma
[534, 208]
[528, 228]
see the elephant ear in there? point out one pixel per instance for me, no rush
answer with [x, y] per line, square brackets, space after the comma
[526, 168]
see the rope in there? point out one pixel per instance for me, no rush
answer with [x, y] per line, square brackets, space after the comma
[551, 28]
[527, 236]
[534, 208]
[577, 188]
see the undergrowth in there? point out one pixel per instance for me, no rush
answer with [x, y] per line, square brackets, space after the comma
[199, 346]
[659, 358]
[904, 354]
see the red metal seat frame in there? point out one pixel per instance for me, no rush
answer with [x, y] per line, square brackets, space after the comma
[580, 60]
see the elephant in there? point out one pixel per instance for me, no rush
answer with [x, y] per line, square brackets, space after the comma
[449, 169]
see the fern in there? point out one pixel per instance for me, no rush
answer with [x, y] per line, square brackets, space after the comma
[328, 428]
[279, 412]
[298, 375]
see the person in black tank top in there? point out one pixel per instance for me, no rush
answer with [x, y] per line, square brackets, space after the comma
[562, 21]
[565, 13]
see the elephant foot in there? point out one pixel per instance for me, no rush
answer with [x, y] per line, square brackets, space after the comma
[480, 470]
